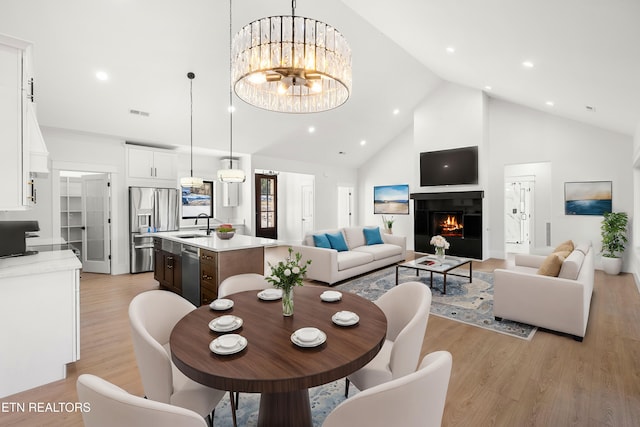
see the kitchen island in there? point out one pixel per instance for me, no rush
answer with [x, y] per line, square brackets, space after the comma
[194, 264]
[40, 312]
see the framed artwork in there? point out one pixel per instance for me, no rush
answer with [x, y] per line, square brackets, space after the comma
[587, 198]
[391, 199]
[197, 201]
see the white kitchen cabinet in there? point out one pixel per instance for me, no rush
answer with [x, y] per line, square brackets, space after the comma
[147, 163]
[19, 131]
[40, 311]
[230, 194]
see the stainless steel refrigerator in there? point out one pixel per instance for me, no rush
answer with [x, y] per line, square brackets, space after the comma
[150, 210]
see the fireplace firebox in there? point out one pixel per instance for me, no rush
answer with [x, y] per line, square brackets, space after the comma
[447, 224]
[457, 216]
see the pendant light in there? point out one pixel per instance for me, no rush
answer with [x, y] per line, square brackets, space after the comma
[231, 174]
[191, 181]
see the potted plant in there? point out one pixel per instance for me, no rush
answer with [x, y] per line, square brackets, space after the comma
[614, 237]
[388, 224]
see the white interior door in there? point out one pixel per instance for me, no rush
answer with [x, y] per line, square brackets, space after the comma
[345, 206]
[307, 209]
[96, 206]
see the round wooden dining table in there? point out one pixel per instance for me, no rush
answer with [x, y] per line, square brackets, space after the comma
[271, 364]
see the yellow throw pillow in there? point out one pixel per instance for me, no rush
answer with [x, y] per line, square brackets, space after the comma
[564, 246]
[551, 265]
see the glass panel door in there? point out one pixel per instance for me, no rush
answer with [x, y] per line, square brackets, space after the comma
[267, 206]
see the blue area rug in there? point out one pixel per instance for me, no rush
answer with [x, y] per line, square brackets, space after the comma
[323, 400]
[470, 303]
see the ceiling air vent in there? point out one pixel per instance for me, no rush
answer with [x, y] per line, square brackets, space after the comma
[139, 113]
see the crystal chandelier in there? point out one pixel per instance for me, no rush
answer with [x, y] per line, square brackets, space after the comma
[191, 181]
[231, 174]
[291, 64]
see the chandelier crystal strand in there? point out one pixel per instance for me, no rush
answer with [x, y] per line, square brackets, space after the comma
[291, 64]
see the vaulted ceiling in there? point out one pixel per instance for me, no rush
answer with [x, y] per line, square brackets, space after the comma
[585, 53]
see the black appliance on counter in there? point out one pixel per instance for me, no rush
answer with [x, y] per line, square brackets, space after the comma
[13, 237]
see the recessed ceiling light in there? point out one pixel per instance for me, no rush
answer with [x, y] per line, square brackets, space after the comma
[550, 103]
[396, 112]
[363, 142]
[312, 129]
[451, 49]
[487, 88]
[102, 76]
[527, 64]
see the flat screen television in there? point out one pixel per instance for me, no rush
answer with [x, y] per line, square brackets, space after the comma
[391, 199]
[449, 167]
[197, 201]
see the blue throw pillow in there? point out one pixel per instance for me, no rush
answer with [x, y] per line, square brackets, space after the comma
[337, 241]
[321, 241]
[372, 236]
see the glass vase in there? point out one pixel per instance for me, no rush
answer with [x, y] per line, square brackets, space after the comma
[287, 301]
[440, 253]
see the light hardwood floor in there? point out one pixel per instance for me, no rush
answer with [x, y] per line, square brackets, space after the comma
[497, 380]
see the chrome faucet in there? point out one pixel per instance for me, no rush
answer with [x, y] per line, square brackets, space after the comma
[206, 216]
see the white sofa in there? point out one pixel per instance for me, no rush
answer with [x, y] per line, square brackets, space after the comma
[558, 303]
[330, 266]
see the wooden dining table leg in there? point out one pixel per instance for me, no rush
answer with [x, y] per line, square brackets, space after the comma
[291, 409]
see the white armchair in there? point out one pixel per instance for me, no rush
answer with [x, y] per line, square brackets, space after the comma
[406, 307]
[414, 400]
[152, 315]
[242, 282]
[112, 406]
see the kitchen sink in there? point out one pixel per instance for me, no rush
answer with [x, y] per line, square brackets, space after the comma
[191, 236]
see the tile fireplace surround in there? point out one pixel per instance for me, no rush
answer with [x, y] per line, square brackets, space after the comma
[457, 216]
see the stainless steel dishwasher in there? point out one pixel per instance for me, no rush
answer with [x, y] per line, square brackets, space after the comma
[191, 274]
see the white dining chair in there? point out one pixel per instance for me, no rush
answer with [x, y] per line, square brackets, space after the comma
[406, 307]
[242, 282]
[152, 315]
[108, 405]
[414, 400]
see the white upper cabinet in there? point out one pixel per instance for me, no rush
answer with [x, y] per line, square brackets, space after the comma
[147, 163]
[17, 189]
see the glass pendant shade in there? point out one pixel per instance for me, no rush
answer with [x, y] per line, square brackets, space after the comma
[291, 64]
[231, 175]
[191, 181]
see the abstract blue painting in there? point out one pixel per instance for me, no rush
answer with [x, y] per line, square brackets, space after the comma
[587, 198]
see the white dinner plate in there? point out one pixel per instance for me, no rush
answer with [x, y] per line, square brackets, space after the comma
[345, 318]
[331, 296]
[226, 323]
[308, 337]
[228, 344]
[221, 304]
[270, 294]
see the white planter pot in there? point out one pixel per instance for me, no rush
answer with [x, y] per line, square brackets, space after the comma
[611, 265]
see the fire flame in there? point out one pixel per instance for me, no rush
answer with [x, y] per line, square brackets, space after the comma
[450, 226]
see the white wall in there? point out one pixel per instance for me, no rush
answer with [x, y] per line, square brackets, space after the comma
[327, 180]
[635, 223]
[577, 152]
[394, 164]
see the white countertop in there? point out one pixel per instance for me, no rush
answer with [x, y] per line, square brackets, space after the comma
[43, 262]
[213, 242]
